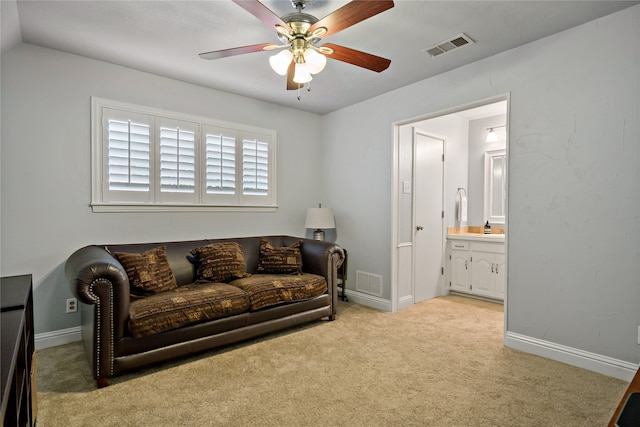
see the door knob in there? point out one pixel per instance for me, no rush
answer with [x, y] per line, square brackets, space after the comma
[419, 228]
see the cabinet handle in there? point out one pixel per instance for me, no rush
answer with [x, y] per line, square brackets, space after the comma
[492, 267]
[465, 265]
[496, 268]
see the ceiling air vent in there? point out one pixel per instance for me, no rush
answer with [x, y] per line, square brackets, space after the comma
[448, 45]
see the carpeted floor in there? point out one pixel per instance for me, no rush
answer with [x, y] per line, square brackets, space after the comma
[437, 363]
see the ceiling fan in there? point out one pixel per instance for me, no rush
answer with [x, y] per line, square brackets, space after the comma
[300, 34]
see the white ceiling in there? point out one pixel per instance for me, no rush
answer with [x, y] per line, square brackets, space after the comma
[165, 37]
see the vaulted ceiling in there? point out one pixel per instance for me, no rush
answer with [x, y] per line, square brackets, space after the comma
[165, 38]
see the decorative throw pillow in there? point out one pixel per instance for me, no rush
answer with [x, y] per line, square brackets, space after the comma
[219, 262]
[282, 260]
[149, 272]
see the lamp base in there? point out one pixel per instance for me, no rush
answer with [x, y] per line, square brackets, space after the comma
[318, 235]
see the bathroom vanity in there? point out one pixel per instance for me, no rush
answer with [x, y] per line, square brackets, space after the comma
[476, 263]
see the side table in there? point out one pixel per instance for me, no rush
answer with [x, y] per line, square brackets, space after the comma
[342, 278]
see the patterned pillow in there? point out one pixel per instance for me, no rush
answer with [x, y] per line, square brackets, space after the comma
[149, 272]
[219, 262]
[283, 260]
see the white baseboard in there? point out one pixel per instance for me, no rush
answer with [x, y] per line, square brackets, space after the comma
[572, 356]
[406, 301]
[368, 300]
[56, 338]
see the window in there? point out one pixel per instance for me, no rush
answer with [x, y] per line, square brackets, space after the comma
[146, 159]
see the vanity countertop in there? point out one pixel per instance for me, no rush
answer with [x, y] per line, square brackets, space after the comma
[475, 233]
[477, 236]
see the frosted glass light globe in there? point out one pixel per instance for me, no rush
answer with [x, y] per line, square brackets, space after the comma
[280, 62]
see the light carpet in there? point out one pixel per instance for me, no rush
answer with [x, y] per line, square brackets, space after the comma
[441, 362]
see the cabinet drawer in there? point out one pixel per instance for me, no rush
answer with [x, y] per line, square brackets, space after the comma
[459, 245]
[497, 247]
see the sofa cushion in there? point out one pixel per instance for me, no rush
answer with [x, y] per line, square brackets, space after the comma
[148, 272]
[279, 260]
[185, 305]
[270, 289]
[219, 262]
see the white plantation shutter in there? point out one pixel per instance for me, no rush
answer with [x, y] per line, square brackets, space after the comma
[145, 159]
[177, 160]
[255, 167]
[220, 163]
[128, 158]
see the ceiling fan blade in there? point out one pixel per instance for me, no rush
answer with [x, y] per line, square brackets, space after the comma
[291, 85]
[350, 14]
[262, 12]
[236, 51]
[358, 58]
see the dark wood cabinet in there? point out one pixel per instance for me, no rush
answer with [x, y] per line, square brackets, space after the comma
[17, 347]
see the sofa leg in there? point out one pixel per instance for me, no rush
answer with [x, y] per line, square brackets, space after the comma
[332, 317]
[103, 382]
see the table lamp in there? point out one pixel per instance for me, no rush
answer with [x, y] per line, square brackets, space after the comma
[319, 218]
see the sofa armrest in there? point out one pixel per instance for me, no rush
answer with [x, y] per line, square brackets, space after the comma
[90, 264]
[319, 257]
[97, 278]
[323, 258]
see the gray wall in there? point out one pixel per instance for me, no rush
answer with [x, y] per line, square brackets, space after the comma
[573, 242]
[46, 167]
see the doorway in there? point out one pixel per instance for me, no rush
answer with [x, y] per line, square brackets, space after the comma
[418, 264]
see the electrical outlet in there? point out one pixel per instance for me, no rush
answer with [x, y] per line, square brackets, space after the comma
[72, 305]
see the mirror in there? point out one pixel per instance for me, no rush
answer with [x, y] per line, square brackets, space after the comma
[495, 186]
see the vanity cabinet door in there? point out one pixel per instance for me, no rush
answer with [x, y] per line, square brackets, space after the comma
[483, 274]
[487, 269]
[459, 270]
[501, 278]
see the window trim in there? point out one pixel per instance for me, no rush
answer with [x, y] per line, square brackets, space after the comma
[202, 200]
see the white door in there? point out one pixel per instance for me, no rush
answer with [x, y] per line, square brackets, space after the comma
[428, 221]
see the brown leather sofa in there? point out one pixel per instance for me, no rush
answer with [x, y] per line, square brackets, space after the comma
[100, 282]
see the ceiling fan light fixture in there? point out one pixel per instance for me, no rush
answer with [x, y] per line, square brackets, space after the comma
[280, 62]
[302, 74]
[300, 32]
[315, 61]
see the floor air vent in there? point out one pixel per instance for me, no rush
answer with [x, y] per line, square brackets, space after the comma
[456, 42]
[369, 283]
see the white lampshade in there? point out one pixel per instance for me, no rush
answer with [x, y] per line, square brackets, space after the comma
[302, 74]
[280, 62]
[315, 61]
[320, 218]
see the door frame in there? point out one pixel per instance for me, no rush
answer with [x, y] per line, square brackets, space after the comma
[398, 263]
